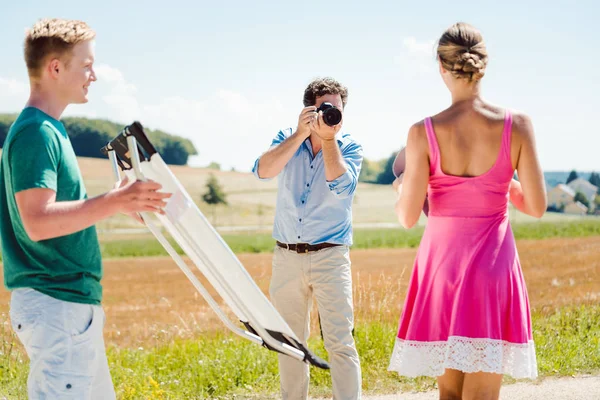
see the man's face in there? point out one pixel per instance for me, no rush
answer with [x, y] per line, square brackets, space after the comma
[334, 99]
[78, 73]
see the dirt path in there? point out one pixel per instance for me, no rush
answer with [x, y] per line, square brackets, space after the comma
[579, 388]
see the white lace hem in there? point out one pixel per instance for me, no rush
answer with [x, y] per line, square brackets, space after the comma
[411, 358]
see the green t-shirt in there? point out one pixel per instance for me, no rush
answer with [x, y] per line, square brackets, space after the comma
[37, 153]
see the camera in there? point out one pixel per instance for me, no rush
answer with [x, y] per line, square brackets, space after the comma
[331, 114]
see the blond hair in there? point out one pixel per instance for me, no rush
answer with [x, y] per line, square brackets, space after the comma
[52, 38]
[461, 51]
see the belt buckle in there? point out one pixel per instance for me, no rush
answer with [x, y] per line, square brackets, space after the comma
[301, 248]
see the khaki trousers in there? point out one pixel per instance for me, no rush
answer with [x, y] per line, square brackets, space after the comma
[326, 275]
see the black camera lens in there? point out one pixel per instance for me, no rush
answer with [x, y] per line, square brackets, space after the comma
[331, 115]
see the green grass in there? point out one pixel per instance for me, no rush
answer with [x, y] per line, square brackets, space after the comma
[363, 238]
[568, 342]
[260, 242]
[220, 365]
[555, 229]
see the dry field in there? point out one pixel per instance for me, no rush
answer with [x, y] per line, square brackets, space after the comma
[148, 300]
[252, 202]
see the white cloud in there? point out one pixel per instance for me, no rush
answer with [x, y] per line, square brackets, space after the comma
[13, 94]
[12, 87]
[416, 59]
[116, 80]
[121, 96]
[425, 48]
[226, 126]
[234, 101]
[108, 74]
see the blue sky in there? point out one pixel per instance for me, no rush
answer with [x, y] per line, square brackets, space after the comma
[229, 75]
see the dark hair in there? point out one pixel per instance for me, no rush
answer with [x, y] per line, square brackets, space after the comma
[461, 51]
[322, 86]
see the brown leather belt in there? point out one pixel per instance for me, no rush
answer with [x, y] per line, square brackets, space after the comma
[305, 247]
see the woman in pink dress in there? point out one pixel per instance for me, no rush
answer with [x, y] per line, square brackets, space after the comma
[466, 317]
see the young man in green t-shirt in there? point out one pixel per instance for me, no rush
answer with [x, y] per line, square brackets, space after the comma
[50, 248]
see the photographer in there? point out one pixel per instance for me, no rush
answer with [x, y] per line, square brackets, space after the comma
[318, 169]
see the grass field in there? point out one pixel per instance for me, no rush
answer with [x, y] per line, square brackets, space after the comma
[165, 343]
[258, 242]
[219, 366]
[145, 245]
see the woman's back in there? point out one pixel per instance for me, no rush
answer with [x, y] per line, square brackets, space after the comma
[470, 138]
[471, 160]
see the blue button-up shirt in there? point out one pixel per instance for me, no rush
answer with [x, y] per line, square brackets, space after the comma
[309, 208]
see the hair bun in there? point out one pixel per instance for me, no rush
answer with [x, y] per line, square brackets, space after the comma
[470, 62]
[461, 51]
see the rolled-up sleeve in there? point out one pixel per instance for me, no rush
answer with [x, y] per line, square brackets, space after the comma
[345, 185]
[281, 136]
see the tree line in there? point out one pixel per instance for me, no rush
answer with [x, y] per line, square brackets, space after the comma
[88, 136]
[379, 172]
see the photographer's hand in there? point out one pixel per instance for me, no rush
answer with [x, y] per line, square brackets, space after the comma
[324, 131]
[305, 120]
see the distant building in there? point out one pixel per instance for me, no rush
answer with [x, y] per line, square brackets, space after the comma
[576, 209]
[560, 195]
[585, 187]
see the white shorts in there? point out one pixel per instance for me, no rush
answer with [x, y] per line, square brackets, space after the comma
[65, 346]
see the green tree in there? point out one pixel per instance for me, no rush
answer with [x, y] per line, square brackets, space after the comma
[214, 165]
[369, 171]
[6, 121]
[214, 195]
[580, 197]
[595, 180]
[386, 176]
[174, 152]
[89, 135]
[572, 176]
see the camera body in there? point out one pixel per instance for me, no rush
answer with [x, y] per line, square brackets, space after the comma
[331, 114]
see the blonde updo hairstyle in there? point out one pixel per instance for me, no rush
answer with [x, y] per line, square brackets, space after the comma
[461, 51]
